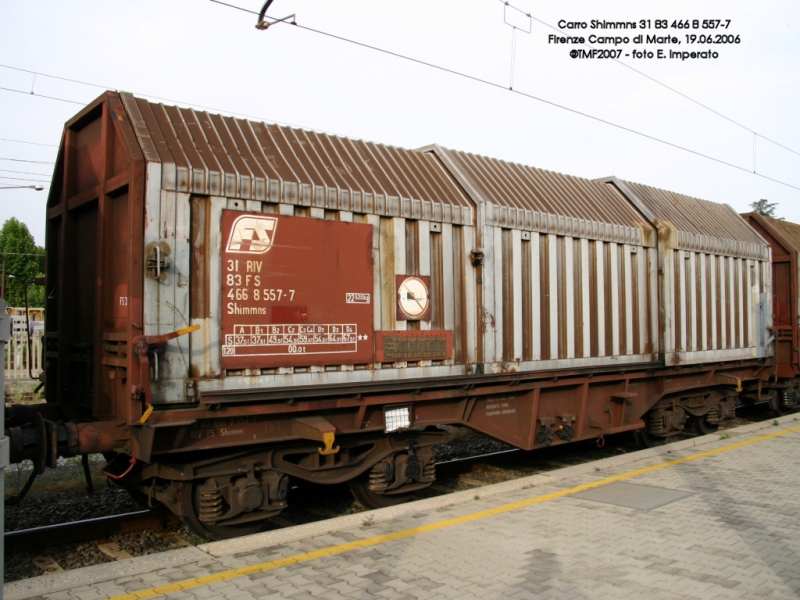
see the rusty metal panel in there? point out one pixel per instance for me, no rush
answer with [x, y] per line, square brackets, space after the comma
[94, 299]
[715, 271]
[399, 247]
[713, 306]
[784, 240]
[215, 155]
[566, 302]
[296, 292]
[281, 171]
[527, 319]
[568, 276]
[699, 225]
[522, 197]
[786, 232]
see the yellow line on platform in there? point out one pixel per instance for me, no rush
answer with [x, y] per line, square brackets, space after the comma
[406, 533]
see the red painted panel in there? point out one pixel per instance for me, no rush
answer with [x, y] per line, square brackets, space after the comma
[295, 291]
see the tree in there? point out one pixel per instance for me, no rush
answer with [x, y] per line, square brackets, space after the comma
[766, 208]
[24, 262]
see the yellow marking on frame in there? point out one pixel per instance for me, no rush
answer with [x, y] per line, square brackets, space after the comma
[328, 438]
[146, 415]
[186, 330]
[406, 533]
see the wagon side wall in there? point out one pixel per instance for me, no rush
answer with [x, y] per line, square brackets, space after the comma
[784, 271]
[566, 301]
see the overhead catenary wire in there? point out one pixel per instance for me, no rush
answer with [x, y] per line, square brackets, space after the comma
[39, 95]
[439, 68]
[523, 94]
[25, 179]
[141, 94]
[31, 143]
[24, 172]
[664, 85]
[38, 162]
[527, 14]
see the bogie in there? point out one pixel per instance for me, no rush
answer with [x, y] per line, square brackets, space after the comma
[282, 315]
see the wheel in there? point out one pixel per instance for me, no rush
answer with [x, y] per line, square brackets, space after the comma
[699, 426]
[189, 499]
[645, 439]
[362, 493]
[777, 405]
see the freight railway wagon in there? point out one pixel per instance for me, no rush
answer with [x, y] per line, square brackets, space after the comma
[231, 304]
[784, 240]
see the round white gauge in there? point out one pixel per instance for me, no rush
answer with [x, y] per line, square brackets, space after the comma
[412, 297]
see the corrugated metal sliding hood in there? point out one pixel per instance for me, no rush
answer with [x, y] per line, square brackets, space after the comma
[203, 153]
[788, 232]
[522, 197]
[210, 154]
[699, 225]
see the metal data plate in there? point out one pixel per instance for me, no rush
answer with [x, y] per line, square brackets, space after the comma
[413, 345]
[295, 291]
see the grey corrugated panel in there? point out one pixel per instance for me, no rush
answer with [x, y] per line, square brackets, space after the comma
[693, 215]
[255, 150]
[507, 184]
[521, 196]
[213, 133]
[207, 140]
[244, 180]
[235, 157]
[307, 154]
[228, 143]
[398, 161]
[213, 169]
[576, 194]
[430, 170]
[139, 125]
[543, 191]
[444, 182]
[197, 179]
[553, 193]
[284, 153]
[365, 176]
[229, 175]
[339, 158]
[397, 175]
[526, 197]
[415, 184]
[174, 164]
[482, 173]
[598, 194]
[330, 153]
[377, 168]
[183, 138]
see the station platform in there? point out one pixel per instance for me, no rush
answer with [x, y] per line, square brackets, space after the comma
[714, 517]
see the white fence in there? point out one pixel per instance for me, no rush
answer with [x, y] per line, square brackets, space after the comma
[16, 367]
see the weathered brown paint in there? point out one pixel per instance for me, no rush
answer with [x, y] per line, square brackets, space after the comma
[511, 411]
[784, 239]
[313, 180]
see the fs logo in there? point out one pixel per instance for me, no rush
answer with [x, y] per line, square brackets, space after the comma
[252, 235]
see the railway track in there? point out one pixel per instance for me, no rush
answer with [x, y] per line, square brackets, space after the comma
[90, 529]
[107, 538]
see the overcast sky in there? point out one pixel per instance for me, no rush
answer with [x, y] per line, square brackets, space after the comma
[201, 53]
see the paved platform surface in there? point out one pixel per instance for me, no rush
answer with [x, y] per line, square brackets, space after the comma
[710, 518]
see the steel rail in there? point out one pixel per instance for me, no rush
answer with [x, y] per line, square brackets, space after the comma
[89, 529]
